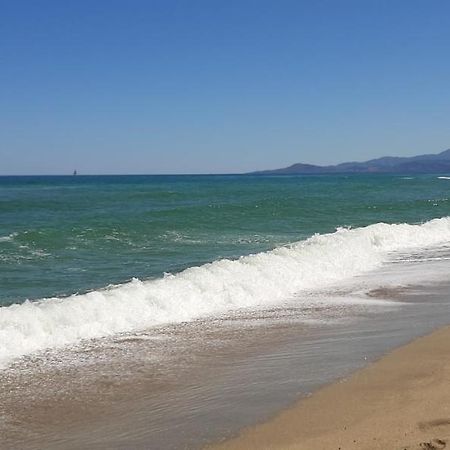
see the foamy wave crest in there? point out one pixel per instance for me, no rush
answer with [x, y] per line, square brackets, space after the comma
[251, 281]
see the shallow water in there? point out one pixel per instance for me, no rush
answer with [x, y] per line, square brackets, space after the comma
[184, 385]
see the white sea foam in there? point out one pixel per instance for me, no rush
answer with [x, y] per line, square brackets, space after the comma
[225, 285]
[444, 178]
[8, 238]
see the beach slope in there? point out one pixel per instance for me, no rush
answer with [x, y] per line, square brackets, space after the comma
[401, 401]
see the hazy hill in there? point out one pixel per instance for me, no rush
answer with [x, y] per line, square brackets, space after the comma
[433, 163]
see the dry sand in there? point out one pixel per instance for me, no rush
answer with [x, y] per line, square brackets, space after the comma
[400, 402]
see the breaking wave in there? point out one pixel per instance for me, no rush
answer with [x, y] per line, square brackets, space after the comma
[213, 288]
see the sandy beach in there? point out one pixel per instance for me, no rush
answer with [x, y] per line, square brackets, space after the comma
[402, 401]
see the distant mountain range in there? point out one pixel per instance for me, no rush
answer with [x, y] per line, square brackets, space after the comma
[434, 163]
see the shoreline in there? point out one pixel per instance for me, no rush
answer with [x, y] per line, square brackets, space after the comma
[401, 401]
[212, 379]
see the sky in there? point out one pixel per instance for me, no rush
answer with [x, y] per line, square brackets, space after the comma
[219, 86]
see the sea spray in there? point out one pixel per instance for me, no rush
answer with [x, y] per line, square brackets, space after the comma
[251, 281]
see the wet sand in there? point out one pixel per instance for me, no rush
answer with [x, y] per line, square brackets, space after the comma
[187, 385]
[182, 388]
[401, 402]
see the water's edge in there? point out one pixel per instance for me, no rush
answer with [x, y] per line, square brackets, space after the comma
[214, 377]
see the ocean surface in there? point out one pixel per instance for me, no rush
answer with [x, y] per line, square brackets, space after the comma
[91, 256]
[170, 311]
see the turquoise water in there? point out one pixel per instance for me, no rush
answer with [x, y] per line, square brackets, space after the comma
[326, 285]
[63, 235]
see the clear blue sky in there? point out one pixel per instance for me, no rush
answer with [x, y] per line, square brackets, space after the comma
[219, 86]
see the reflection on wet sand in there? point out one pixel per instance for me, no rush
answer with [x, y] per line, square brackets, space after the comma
[188, 384]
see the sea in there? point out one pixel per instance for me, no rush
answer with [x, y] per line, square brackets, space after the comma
[171, 311]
